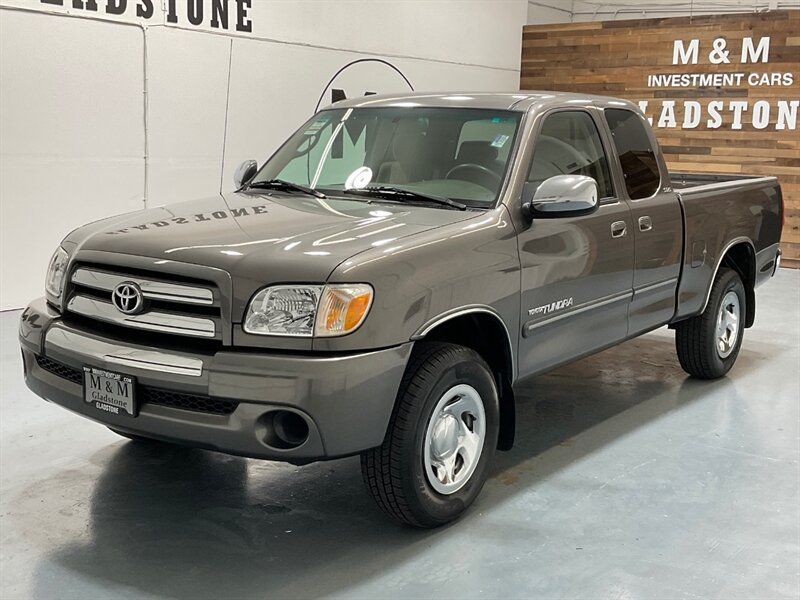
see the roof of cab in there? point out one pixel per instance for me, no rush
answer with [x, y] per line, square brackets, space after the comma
[521, 101]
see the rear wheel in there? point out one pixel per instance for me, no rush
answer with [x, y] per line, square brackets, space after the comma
[440, 440]
[709, 343]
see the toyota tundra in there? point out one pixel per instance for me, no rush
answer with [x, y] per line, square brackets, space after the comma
[385, 280]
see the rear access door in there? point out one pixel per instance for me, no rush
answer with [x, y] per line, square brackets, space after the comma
[657, 220]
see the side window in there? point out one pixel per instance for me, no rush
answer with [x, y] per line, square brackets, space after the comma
[569, 144]
[636, 155]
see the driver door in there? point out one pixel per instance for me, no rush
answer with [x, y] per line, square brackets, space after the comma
[577, 271]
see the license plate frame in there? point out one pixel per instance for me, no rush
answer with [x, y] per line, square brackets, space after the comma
[110, 392]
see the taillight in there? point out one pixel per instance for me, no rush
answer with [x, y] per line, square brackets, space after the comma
[783, 212]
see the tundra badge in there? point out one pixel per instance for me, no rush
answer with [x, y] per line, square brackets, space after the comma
[552, 307]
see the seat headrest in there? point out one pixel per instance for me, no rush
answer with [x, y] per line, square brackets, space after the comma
[482, 153]
[408, 140]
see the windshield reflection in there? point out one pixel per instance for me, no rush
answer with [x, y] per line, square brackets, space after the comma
[457, 153]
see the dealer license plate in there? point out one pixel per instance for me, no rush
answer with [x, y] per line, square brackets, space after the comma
[110, 392]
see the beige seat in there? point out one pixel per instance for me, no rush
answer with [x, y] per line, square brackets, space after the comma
[407, 161]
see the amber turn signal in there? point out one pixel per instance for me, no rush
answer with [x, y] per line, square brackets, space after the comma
[342, 309]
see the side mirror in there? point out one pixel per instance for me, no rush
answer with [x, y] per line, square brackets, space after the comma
[244, 173]
[562, 196]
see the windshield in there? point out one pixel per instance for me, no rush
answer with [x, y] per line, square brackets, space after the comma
[462, 154]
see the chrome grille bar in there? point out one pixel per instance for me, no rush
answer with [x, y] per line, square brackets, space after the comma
[151, 289]
[93, 349]
[152, 320]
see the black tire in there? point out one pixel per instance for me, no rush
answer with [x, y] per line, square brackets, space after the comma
[135, 438]
[696, 338]
[394, 472]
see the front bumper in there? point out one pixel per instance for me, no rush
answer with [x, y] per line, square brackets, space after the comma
[346, 400]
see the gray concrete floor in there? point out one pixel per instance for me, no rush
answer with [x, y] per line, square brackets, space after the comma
[629, 480]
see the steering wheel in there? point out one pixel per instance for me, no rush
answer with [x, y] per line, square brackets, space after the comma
[481, 171]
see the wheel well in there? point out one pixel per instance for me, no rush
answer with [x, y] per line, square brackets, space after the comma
[487, 335]
[742, 259]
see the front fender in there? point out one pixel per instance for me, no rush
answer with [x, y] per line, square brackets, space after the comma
[426, 277]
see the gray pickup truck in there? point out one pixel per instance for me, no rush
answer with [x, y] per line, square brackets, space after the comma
[384, 280]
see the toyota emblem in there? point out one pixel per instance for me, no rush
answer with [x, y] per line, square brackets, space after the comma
[127, 297]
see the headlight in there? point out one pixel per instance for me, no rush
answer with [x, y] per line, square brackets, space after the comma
[308, 310]
[54, 282]
[283, 310]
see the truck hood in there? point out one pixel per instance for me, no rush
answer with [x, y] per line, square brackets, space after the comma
[264, 237]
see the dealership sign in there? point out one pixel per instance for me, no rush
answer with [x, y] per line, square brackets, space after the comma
[752, 57]
[224, 15]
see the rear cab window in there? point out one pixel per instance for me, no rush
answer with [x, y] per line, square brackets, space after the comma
[635, 151]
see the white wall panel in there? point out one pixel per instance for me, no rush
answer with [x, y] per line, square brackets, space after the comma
[187, 78]
[542, 12]
[72, 123]
[481, 32]
[470, 31]
[71, 137]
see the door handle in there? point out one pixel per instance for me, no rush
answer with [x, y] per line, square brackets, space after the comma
[618, 229]
[645, 223]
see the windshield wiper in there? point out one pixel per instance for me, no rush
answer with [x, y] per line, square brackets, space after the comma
[391, 193]
[280, 184]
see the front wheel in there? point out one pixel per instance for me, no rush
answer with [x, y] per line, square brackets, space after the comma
[441, 437]
[709, 343]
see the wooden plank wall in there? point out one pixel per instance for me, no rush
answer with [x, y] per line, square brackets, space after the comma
[615, 58]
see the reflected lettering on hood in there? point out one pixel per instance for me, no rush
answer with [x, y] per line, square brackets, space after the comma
[217, 215]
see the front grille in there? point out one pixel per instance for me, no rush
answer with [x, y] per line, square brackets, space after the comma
[147, 394]
[205, 404]
[166, 305]
[61, 370]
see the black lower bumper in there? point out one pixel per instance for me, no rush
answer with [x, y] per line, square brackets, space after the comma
[345, 401]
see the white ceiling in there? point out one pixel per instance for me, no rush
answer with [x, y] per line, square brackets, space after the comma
[542, 11]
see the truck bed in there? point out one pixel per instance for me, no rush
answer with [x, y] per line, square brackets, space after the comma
[688, 183]
[720, 211]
